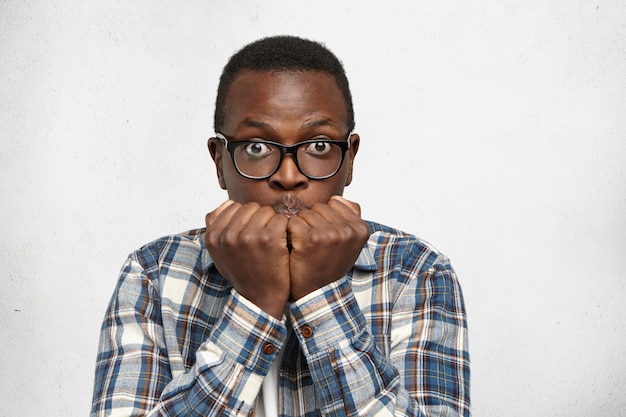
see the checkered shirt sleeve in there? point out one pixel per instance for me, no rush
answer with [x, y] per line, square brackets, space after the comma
[390, 341]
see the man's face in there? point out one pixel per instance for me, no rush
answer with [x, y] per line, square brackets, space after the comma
[283, 107]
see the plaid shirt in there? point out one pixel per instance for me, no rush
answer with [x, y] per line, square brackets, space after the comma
[390, 338]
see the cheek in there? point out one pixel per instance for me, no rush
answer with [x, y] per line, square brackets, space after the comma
[243, 190]
[332, 186]
[232, 179]
[344, 176]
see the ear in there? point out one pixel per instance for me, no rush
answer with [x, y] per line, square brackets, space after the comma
[215, 149]
[354, 148]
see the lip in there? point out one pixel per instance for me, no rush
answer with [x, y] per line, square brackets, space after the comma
[290, 205]
[286, 211]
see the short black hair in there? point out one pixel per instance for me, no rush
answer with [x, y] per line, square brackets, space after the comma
[282, 53]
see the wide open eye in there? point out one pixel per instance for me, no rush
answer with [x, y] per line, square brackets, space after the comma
[257, 150]
[318, 148]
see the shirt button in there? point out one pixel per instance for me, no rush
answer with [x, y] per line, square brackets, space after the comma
[268, 349]
[307, 331]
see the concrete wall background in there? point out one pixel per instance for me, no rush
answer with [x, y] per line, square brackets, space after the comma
[493, 129]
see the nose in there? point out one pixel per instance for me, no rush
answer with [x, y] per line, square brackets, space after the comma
[288, 176]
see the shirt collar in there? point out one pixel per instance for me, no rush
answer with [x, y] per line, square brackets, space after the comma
[366, 259]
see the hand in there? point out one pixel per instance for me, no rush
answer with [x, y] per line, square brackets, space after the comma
[326, 241]
[248, 244]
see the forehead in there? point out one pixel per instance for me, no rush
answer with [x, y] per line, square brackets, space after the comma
[277, 97]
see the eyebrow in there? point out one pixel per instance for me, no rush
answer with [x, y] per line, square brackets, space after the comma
[307, 125]
[317, 123]
[253, 123]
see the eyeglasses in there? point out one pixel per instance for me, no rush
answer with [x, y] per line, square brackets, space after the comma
[258, 159]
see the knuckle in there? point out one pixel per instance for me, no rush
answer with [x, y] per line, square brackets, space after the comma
[247, 238]
[228, 239]
[346, 234]
[265, 239]
[336, 235]
[363, 229]
[210, 242]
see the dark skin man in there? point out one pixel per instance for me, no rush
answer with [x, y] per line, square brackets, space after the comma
[287, 303]
[283, 237]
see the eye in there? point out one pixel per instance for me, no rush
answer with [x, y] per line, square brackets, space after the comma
[257, 149]
[318, 148]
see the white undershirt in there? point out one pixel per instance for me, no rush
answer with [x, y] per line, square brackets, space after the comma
[267, 403]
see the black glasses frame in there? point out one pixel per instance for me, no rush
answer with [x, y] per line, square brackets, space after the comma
[231, 145]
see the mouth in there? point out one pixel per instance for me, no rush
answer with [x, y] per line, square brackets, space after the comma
[287, 211]
[289, 205]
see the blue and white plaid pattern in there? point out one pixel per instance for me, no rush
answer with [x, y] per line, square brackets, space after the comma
[389, 339]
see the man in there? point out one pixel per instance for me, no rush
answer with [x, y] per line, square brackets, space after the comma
[288, 303]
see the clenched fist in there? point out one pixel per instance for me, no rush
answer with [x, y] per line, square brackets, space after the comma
[270, 258]
[248, 245]
[326, 240]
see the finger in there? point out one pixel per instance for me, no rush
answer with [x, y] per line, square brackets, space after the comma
[277, 221]
[324, 213]
[297, 230]
[278, 226]
[212, 216]
[316, 216]
[335, 212]
[236, 217]
[354, 207]
[253, 226]
[299, 220]
[266, 217]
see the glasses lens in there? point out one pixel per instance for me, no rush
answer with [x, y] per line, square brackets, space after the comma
[256, 159]
[319, 159]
